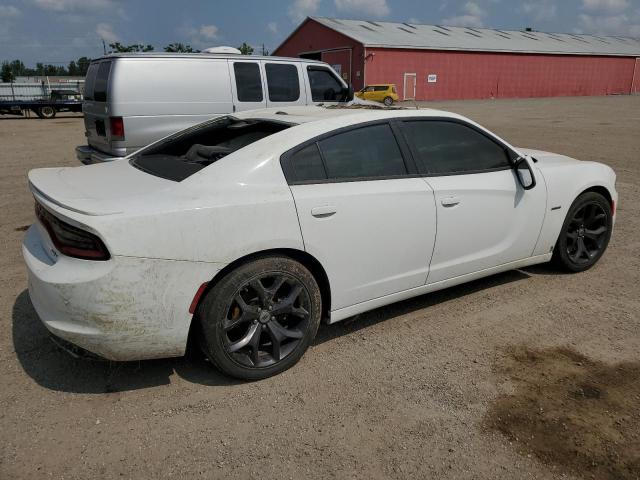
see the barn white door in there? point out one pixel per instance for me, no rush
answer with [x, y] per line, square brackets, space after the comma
[409, 90]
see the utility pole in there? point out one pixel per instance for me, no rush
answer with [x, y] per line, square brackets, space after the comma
[104, 47]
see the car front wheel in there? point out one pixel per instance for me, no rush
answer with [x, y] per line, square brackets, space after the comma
[261, 317]
[585, 233]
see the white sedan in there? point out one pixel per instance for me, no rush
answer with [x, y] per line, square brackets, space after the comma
[246, 231]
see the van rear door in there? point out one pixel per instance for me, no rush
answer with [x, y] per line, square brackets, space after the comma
[95, 106]
[247, 86]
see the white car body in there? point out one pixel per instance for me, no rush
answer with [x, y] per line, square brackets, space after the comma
[378, 241]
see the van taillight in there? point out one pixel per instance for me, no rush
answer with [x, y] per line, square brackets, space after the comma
[117, 128]
[70, 240]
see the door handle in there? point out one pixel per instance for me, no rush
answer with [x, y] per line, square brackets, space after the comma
[450, 201]
[323, 212]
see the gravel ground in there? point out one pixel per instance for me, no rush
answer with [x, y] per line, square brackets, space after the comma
[405, 391]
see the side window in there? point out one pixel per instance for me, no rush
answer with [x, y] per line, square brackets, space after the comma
[441, 147]
[283, 82]
[248, 81]
[307, 164]
[367, 152]
[381, 88]
[325, 87]
[101, 82]
[90, 81]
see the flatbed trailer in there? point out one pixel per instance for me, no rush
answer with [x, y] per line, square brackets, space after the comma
[45, 109]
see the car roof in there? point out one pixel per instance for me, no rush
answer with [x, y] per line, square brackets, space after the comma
[347, 114]
[379, 84]
[111, 56]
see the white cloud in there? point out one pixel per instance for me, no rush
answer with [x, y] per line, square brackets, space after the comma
[607, 6]
[301, 9]
[105, 32]
[209, 32]
[64, 6]
[472, 15]
[543, 10]
[623, 24]
[9, 11]
[272, 27]
[373, 8]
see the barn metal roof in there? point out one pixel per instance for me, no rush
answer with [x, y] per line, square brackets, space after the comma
[436, 37]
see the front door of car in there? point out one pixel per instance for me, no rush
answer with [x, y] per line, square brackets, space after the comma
[485, 217]
[369, 223]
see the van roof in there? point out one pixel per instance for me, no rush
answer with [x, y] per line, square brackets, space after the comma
[202, 55]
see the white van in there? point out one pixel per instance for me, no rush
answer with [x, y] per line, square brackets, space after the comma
[133, 99]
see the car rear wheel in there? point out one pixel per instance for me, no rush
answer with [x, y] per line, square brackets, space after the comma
[388, 101]
[585, 233]
[46, 112]
[260, 318]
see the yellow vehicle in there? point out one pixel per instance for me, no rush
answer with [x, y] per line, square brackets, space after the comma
[385, 93]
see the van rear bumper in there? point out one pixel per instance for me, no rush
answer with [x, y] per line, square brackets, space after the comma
[88, 155]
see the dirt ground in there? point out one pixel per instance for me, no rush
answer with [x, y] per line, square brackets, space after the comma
[448, 385]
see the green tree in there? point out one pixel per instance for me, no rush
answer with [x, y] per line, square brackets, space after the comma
[83, 65]
[39, 69]
[245, 49]
[7, 73]
[179, 48]
[18, 68]
[117, 47]
[72, 69]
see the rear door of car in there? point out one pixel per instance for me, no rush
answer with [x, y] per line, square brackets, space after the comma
[95, 105]
[247, 85]
[363, 212]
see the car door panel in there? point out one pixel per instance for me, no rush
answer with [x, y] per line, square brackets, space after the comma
[484, 220]
[373, 238]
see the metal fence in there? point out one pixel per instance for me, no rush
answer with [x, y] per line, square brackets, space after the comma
[37, 90]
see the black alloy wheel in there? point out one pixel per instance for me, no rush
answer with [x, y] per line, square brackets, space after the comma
[585, 234]
[261, 317]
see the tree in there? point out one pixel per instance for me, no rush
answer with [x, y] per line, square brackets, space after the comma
[7, 73]
[117, 47]
[179, 48]
[83, 65]
[72, 69]
[245, 49]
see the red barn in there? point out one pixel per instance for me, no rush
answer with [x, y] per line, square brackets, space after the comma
[430, 62]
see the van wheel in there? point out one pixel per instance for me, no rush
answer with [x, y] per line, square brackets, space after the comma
[260, 318]
[388, 101]
[46, 112]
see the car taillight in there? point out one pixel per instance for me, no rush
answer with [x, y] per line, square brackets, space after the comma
[117, 128]
[70, 240]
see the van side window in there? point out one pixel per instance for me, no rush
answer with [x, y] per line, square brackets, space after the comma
[102, 79]
[283, 82]
[325, 87]
[248, 81]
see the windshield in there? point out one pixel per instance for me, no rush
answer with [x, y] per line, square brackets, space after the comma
[185, 153]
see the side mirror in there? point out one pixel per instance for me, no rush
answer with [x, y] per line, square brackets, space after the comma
[347, 94]
[524, 173]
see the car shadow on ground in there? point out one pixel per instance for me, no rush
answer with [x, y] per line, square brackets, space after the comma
[52, 368]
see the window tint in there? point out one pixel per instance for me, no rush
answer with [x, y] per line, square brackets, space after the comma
[367, 152]
[102, 79]
[448, 147]
[324, 85]
[248, 82]
[283, 82]
[307, 164]
[90, 81]
[380, 88]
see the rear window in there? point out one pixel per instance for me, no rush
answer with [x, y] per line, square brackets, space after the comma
[248, 82]
[90, 81]
[187, 152]
[100, 87]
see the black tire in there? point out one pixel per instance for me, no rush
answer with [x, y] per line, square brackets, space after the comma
[388, 101]
[260, 318]
[585, 233]
[46, 112]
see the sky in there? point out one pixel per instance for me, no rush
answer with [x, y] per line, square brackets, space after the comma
[57, 31]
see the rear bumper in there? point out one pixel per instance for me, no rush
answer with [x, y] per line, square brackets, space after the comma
[122, 309]
[88, 155]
